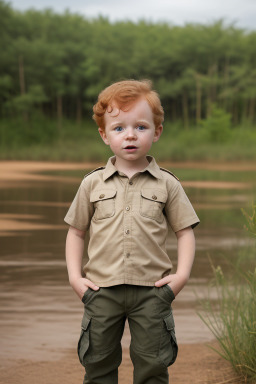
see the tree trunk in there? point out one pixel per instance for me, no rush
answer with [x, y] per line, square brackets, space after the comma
[209, 95]
[235, 113]
[22, 84]
[198, 99]
[211, 89]
[21, 76]
[226, 82]
[251, 110]
[214, 86]
[185, 109]
[174, 112]
[59, 112]
[78, 111]
[245, 109]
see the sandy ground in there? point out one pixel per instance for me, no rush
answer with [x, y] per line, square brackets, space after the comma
[196, 363]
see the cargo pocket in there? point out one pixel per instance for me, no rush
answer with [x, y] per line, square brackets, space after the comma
[104, 203]
[152, 203]
[169, 346]
[83, 343]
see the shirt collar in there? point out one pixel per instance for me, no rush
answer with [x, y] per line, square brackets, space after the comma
[152, 168]
[110, 169]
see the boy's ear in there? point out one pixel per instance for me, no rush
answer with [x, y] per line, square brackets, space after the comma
[103, 135]
[158, 133]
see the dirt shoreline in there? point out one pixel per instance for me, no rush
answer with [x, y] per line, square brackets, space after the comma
[196, 364]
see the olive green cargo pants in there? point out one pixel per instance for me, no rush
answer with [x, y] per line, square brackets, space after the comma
[153, 343]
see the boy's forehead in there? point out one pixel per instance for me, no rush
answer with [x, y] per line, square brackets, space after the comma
[140, 106]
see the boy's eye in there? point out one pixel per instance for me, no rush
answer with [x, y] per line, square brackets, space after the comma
[141, 127]
[118, 129]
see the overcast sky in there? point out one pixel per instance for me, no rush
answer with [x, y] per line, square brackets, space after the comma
[177, 12]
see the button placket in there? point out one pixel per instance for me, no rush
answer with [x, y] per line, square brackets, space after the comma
[127, 226]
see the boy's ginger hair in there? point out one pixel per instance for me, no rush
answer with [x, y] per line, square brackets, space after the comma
[124, 93]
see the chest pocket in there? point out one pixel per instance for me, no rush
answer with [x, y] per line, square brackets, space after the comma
[152, 203]
[104, 203]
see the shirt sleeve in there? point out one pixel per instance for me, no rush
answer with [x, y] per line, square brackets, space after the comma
[81, 210]
[179, 210]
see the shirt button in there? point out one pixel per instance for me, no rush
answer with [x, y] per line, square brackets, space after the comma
[127, 208]
[130, 182]
[127, 231]
[154, 197]
[101, 196]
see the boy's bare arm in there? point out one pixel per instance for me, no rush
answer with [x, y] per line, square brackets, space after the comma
[74, 256]
[186, 254]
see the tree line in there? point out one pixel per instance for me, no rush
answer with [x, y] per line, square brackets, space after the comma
[56, 64]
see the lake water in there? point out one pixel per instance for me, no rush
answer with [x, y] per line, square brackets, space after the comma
[39, 312]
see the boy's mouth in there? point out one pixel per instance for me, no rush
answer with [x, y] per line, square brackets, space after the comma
[130, 147]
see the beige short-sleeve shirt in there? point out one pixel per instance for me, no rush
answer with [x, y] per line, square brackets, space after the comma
[128, 221]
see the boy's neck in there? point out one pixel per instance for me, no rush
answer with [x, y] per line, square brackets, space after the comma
[129, 168]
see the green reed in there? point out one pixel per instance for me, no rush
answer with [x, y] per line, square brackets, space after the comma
[231, 314]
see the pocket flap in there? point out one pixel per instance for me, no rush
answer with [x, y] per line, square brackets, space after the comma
[85, 323]
[154, 194]
[169, 322]
[102, 195]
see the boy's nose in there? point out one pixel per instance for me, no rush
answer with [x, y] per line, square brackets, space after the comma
[130, 133]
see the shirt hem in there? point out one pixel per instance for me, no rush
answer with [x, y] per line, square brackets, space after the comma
[128, 281]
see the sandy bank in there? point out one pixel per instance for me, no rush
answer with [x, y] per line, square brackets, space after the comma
[196, 364]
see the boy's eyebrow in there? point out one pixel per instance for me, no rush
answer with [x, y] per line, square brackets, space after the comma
[116, 123]
[140, 121]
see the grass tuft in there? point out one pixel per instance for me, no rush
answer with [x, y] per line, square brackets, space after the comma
[231, 316]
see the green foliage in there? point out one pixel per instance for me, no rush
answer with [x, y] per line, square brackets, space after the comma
[53, 67]
[217, 126]
[232, 315]
[177, 144]
[26, 102]
[72, 58]
[18, 135]
[40, 137]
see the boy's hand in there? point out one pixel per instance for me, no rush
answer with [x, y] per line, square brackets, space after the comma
[175, 281]
[80, 286]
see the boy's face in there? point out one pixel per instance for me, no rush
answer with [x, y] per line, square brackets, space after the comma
[131, 133]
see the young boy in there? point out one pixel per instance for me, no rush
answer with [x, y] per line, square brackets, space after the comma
[126, 207]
